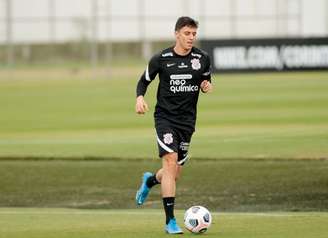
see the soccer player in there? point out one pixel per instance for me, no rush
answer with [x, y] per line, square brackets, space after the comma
[183, 71]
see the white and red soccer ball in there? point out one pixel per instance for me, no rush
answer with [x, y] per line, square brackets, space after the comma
[197, 219]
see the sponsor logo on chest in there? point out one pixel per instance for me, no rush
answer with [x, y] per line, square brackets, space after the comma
[182, 65]
[179, 83]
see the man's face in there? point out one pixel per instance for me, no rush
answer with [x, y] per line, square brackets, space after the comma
[186, 37]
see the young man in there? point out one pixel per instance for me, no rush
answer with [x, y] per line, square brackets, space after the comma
[183, 71]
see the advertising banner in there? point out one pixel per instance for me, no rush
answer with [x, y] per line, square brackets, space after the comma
[242, 55]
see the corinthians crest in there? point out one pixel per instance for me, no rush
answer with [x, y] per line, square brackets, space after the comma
[168, 138]
[195, 64]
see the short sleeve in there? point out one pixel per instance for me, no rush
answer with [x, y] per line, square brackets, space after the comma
[152, 68]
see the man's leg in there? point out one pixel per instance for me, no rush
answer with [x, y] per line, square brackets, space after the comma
[168, 175]
[158, 175]
[149, 180]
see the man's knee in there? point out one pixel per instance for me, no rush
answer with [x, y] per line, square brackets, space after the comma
[170, 162]
[170, 159]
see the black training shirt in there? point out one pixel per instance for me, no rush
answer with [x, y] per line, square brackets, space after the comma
[179, 84]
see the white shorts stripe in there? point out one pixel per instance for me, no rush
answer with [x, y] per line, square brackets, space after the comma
[183, 160]
[164, 146]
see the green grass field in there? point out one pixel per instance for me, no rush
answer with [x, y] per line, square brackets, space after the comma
[72, 151]
[71, 223]
[247, 116]
[221, 185]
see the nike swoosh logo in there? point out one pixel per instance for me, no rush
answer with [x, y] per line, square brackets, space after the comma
[170, 65]
[169, 204]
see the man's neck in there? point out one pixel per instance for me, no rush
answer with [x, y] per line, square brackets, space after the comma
[181, 51]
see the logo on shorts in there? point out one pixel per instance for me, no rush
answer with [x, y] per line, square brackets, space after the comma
[184, 146]
[168, 138]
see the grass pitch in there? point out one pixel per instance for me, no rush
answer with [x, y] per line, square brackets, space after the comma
[48, 126]
[70, 223]
[247, 116]
[221, 185]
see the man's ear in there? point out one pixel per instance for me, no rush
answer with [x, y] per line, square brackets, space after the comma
[176, 33]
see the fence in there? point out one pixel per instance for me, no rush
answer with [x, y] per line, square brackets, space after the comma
[93, 24]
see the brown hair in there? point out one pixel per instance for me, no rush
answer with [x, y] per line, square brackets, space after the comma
[185, 21]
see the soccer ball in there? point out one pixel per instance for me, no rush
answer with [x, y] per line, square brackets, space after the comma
[197, 219]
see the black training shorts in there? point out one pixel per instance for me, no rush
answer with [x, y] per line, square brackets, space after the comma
[172, 139]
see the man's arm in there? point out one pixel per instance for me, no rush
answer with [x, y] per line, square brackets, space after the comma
[141, 105]
[206, 85]
[146, 78]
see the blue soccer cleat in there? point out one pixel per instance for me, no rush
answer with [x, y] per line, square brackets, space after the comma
[172, 227]
[143, 191]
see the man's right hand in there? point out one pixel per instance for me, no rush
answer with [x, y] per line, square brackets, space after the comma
[141, 105]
